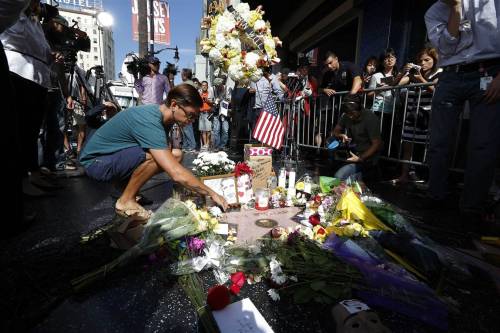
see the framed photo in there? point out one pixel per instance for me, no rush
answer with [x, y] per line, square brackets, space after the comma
[224, 185]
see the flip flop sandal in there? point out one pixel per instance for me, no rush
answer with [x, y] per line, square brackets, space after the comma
[134, 214]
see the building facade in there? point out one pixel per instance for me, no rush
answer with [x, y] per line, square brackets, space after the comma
[102, 45]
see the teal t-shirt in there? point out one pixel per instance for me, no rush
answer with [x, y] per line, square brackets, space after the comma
[137, 126]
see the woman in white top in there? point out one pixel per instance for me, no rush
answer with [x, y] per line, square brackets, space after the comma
[386, 76]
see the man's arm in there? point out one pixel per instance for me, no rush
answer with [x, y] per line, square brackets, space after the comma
[374, 148]
[357, 82]
[454, 17]
[183, 176]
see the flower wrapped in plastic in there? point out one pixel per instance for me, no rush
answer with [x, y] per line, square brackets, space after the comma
[173, 220]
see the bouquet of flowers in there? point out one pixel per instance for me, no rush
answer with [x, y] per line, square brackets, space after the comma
[212, 164]
[229, 31]
[173, 220]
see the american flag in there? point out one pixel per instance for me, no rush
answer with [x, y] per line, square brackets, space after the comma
[269, 128]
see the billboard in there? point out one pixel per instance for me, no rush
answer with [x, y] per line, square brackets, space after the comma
[161, 22]
[77, 4]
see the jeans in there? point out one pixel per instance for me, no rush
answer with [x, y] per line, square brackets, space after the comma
[220, 131]
[53, 139]
[453, 89]
[188, 139]
[351, 170]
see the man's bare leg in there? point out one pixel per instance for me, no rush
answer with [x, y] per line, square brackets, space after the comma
[140, 176]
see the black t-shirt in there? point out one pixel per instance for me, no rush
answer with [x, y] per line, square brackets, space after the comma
[362, 131]
[341, 79]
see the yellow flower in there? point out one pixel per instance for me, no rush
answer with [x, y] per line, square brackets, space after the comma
[204, 215]
[213, 222]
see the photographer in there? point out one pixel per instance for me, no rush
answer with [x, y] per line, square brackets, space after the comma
[418, 110]
[357, 129]
[152, 86]
[29, 56]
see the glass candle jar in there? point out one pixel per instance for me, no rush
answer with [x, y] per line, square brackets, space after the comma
[262, 199]
[307, 183]
[282, 178]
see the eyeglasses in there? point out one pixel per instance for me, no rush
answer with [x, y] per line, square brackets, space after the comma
[189, 116]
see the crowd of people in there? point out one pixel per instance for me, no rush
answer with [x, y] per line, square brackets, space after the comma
[197, 116]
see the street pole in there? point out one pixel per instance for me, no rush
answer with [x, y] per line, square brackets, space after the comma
[142, 13]
[151, 28]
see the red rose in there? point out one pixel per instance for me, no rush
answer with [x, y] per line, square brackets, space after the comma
[218, 297]
[317, 199]
[321, 231]
[238, 280]
[314, 219]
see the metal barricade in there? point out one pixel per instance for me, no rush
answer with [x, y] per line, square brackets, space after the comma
[403, 111]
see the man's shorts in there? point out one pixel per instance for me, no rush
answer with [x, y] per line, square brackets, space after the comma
[204, 124]
[116, 166]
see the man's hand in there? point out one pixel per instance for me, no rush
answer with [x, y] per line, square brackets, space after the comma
[329, 92]
[354, 158]
[492, 94]
[344, 138]
[219, 200]
[58, 57]
[70, 104]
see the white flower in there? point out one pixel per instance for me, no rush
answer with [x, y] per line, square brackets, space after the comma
[251, 59]
[205, 168]
[215, 55]
[256, 75]
[235, 71]
[259, 24]
[225, 23]
[234, 44]
[279, 278]
[275, 266]
[215, 211]
[273, 294]
[293, 278]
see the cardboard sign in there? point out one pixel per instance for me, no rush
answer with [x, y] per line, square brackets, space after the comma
[262, 167]
[241, 316]
[224, 185]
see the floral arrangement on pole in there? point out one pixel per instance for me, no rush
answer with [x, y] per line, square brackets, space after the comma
[239, 42]
[212, 164]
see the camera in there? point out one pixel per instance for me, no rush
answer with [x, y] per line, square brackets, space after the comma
[137, 65]
[170, 69]
[67, 40]
[414, 68]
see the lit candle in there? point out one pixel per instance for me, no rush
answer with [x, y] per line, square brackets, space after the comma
[291, 179]
[262, 199]
[282, 178]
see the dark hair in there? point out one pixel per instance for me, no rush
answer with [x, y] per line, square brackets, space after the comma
[372, 58]
[431, 52]
[188, 73]
[351, 103]
[385, 54]
[285, 70]
[330, 54]
[204, 82]
[185, 95]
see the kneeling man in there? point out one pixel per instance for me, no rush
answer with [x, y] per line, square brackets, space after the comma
[360, 130]
[133, 146]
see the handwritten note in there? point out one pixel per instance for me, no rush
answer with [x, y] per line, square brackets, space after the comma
[225, 186]
[241, 317]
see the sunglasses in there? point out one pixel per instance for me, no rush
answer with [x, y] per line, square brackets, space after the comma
[189, 116]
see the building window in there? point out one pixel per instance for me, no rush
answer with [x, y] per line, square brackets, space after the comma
[95, 49]
[95, 32]
[96, 58]
[95, 40]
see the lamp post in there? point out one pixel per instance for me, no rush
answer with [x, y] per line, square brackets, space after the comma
[176, 54]
[104, 20]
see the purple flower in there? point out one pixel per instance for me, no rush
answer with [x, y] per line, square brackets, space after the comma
[196, 244]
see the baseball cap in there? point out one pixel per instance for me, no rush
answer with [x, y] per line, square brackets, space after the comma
[61, 20]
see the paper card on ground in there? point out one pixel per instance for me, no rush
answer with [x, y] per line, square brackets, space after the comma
[241, 317]
[222, 229]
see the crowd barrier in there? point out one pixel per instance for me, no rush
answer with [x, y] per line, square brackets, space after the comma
[404, 114]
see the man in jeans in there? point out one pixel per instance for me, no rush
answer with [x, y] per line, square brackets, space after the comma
[466, 37]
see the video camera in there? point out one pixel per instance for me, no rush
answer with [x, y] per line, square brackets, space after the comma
[170, 69]
[137, 65]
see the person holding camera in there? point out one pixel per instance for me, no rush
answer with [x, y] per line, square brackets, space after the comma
[359, 131]
[152, 86]
[29, 57]
[418, 110]
[133, 147]
[205, 124]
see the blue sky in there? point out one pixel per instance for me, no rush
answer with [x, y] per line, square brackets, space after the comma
[185, 16]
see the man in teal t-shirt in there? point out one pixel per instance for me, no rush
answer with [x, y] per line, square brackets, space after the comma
[133, 146]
